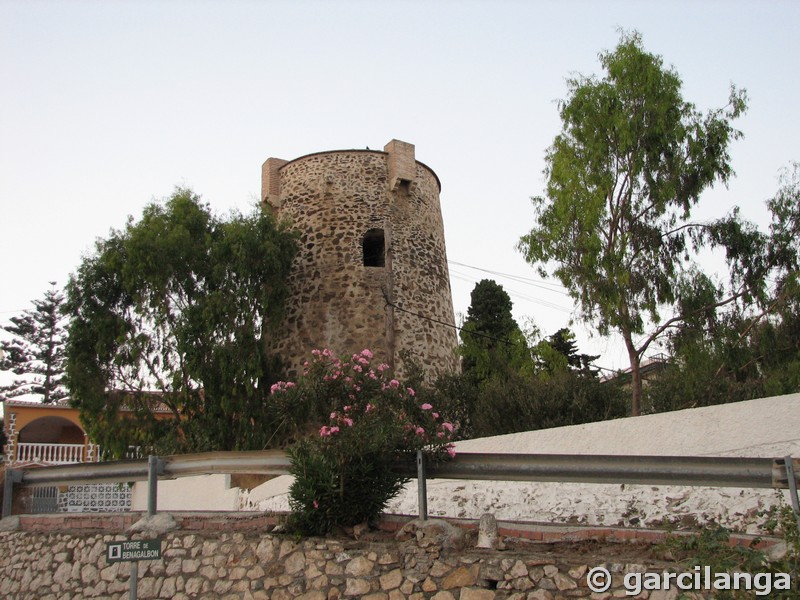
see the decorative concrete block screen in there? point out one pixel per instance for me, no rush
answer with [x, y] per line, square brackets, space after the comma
[85, 498]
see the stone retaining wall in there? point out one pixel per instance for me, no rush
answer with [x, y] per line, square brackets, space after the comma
[245, 561]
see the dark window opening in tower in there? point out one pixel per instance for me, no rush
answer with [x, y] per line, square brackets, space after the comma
[374, 248]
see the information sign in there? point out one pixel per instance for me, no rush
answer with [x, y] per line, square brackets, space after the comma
[133, 550]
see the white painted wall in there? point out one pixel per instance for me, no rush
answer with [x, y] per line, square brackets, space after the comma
[767, 427]
[204, 492]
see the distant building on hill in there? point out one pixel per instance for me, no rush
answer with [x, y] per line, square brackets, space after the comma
[649, 369]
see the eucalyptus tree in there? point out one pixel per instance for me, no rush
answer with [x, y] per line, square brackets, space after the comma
[630, 164]
[750, 349]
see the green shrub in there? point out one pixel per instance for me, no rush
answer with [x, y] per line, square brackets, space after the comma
[712, 548]
[518, 402]
[347, 471]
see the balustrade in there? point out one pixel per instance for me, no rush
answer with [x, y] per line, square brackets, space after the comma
[66, 454]
[50, 454]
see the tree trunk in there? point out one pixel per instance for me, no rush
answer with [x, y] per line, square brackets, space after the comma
[636, 376]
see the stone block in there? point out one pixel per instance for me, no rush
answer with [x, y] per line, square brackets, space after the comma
[356, 587]
[294, 563]
[563, 582]
[487, 531]
[359, 567]
[477, 594]
[461, 577]
[391, 580]
[314, 595]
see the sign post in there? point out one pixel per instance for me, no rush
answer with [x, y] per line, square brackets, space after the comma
[133, 551]
[134, 580]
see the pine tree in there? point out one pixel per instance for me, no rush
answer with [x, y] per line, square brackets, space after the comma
[563, 342]
[491, 341]
[35, 352]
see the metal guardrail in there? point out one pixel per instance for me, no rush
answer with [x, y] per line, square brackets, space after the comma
[778, 473]
[267, 462]
[648, 470]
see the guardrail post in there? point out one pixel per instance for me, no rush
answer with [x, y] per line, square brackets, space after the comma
[422, 487]
[12, 477]
[789, 462]
[152, 484]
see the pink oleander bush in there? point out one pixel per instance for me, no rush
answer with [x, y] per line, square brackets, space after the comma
[347, 470]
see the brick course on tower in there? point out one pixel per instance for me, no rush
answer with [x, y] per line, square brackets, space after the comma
[371, 271]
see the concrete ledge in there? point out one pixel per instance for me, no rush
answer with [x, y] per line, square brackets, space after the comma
[546, 533]
[250, 521]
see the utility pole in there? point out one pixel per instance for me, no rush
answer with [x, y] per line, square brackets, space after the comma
[389, 293]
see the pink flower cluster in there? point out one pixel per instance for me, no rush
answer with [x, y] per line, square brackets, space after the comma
[431, 431]
[281, 386]
[343, 419]
[326, 431]
[363, 389]
[394, 384]
[336, 370]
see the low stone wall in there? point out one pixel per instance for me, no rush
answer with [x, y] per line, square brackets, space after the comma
[239, 558]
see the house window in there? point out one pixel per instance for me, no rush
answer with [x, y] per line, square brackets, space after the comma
[374, 248]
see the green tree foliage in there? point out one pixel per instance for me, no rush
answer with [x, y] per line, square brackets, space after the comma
[623, 175]
[35, 350]
[169, 319]
[519, 403]
[455, 394]
[752, 349]
[511, 382]
[554, 396]
[563, 342]
[734, 357]
[491, 340]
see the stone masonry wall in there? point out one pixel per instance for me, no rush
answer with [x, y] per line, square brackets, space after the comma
[333, 199]
[47, 563]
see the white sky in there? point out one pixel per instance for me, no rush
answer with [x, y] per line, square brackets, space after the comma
[108, 105]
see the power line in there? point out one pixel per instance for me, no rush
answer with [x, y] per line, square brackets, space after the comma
[476, 333]
[545, 303]
[540, 283]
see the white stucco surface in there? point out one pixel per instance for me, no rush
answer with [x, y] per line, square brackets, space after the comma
[768, 427]
[203, 492]
[754, 428]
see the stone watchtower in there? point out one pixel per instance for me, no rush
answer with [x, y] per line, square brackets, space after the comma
[372, 269]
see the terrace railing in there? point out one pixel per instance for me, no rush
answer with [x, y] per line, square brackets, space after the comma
[49, 454]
